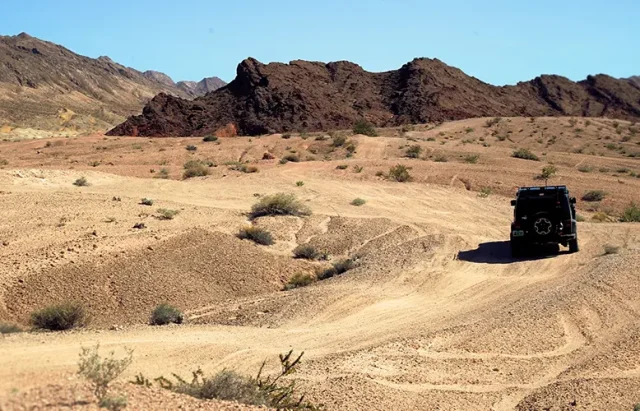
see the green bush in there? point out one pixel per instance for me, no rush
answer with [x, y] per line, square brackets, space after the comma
[195, 168]
[492, 122]
[525, 154]
[299, 280]
[165, 314]
[471, 158]
[9, 329]
[342, 167]
[299, 183]
[167, 214]
[146, 201]
[358, 202]
[191, 147]
[585, 169]
[631, 214]
[163, 173]
[81, 182]
[338, 268]
[60, 317]
[256, 234]
[399, 173]
[413, 151]
[103, 371]
[210, 138]
[279, 204]
[594, 195]
[306, 251]
[270, 391]
[611, 249]
[365, 128]
[440, 159]
[338, 140]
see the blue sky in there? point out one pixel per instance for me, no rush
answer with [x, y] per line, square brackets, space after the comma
[497, 41]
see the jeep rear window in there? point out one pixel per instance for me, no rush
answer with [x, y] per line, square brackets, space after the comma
[533, 205]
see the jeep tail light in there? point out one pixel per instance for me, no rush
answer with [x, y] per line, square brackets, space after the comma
[566, 226]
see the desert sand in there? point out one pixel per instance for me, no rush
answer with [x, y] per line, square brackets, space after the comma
[436, 314]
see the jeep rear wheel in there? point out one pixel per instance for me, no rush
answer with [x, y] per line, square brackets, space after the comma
[573, 245]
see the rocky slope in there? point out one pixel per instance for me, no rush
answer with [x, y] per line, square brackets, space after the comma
[46, 87]
[315, 96]
[635, 80]
[202, 87]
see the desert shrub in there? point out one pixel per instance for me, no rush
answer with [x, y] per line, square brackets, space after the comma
[322, 138]
[230, 386]
[337, 268]
[379, 173]
[525, 154]
[365, 128]
[358, 202]
[492, 122]
[94, 163]
[468, 130]
[167, 214]
[195, 168]
[248, 169]
[81, 182]
[580, 218]
[471, 159]
[585, 169]
[286, 136]
[59, 317]
[338, 141]
[622, 170]
[163, 173]
[631, 214]
[103, 371]
[191, 147]
[342, 167]
[406, 128]
[351, 148]
[210, 138]
[611, 249]
[594, 195]
[603, 170]
[440, 159]
[165, 314]
[279, 204]
[299, 280]
[413, 151]
[306, 251]
[547, 173]
[399, 173]
[299, 183]
[485, 192]
[146, 201]
[357, 169]
[256, 234]
[599, 217]
[113, 403]
[9, 329]
[291, 157]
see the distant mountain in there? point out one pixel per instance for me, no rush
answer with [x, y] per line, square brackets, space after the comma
[635, 80]
[44, 86]
[198, 89]
[314, 96]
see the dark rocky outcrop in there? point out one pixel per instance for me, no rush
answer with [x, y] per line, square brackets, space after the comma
[314, 96]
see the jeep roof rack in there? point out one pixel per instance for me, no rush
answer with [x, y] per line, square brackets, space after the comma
[537, 191]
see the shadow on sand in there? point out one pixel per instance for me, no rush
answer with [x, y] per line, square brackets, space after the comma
[499, 252]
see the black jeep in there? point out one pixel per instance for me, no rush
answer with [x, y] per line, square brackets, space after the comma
[543, 215]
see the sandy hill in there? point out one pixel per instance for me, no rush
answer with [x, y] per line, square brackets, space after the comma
[47, 89]
[436, 314]
[312, 96]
